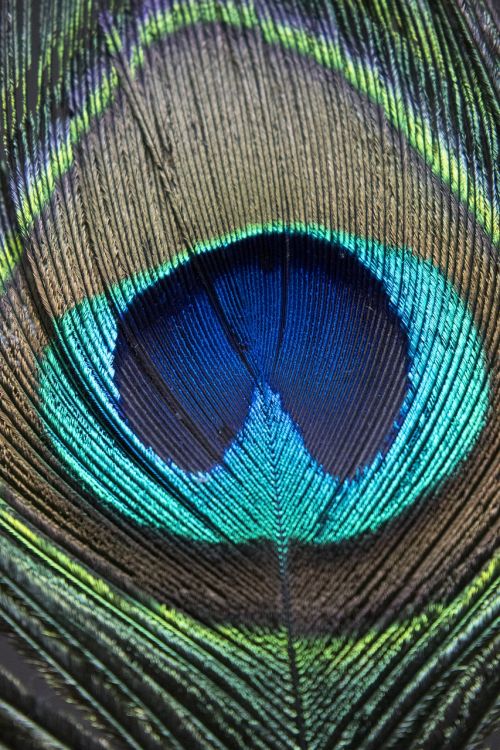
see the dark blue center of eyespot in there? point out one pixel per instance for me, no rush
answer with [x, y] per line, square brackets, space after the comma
[290, 312]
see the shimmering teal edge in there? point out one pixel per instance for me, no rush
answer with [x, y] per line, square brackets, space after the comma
[444, 412]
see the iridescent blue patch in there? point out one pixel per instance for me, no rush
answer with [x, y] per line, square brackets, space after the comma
[293, 315]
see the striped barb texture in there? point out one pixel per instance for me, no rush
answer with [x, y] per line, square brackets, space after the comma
[249, 383]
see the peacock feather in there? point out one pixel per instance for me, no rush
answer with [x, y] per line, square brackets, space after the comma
[249, 330]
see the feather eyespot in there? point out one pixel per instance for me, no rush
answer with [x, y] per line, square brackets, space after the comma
[219, 354]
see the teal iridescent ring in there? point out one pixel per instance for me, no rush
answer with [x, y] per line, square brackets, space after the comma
[443, 414]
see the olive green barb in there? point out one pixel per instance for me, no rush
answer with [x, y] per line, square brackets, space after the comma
[445, 156]
[172, 640]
